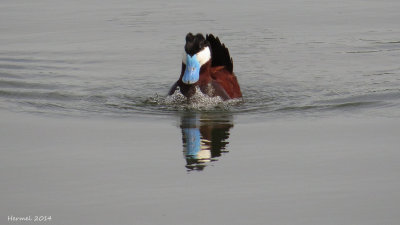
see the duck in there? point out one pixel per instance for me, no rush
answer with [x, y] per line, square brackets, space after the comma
[206, 66]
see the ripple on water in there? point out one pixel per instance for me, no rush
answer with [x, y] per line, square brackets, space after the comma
[116, 103]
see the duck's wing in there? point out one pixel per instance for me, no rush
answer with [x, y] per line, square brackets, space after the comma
[219, 53]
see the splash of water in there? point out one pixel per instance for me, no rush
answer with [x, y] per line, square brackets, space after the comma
[197, 102]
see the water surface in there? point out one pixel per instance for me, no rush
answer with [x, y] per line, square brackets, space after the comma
[291, 58]
[88, 136]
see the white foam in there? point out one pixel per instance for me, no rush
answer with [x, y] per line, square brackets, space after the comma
[198, 101]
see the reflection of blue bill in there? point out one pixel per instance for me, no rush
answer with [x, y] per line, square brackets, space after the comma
[192, 137]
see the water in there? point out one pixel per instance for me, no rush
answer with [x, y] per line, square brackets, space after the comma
[101, 59]
[88, 135]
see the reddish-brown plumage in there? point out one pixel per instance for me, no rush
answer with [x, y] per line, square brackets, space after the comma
[227, 80]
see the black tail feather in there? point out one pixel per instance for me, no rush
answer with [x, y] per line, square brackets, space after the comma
[219, 53]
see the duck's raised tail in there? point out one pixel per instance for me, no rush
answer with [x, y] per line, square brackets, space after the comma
[219, 53]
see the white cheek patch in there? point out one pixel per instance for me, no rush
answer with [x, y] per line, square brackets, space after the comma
[203, 56]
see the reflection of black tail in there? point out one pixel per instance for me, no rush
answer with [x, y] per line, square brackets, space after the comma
[219, 53]
[217, 135]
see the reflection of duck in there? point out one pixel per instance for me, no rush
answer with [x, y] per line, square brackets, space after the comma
[204, 138]
[207, 64]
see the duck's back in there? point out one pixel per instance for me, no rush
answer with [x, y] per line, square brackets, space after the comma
[227, 81]
[222, 67]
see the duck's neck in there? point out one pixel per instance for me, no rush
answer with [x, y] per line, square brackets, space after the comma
[205, 75]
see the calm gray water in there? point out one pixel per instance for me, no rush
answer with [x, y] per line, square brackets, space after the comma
[120, 58]
[88, 136]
